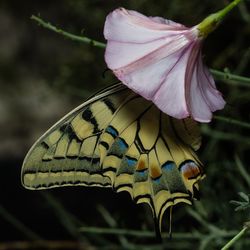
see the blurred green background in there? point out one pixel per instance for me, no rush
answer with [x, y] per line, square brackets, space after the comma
[44, 75]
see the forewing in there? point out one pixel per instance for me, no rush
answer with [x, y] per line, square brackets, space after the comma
[67, 154]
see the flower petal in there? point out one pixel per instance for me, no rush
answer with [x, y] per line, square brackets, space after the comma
[118, 55]
[212, 95]
[161, 60]
[167, 21]
[170, 97]
[149, 78]
[130, 26]
[201, 95]
[132, 36]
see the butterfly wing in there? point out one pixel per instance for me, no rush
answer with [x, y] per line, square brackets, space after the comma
[118, 139]
[67, 153]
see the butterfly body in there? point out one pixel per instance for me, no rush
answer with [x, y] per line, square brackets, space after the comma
[118, 139]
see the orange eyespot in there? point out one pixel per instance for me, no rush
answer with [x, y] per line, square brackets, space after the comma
[190, 170]
[155, 172]
[141, 165]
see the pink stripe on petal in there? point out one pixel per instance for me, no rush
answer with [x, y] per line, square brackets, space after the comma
[197, 106]
[170, 97]
[202, 97]
[118, 55]
[212, 96]
[149, 79]
[158, 54]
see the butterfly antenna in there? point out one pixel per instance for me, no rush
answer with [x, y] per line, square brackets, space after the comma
[170, 222]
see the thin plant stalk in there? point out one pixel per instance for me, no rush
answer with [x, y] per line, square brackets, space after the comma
[235, 238]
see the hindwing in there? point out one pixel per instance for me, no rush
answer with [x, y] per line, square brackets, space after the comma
[118, 139]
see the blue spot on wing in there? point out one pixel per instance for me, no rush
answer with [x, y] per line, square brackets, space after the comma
[168, 166]
[157, 180]
[142, 173]
[122, 144]
[131, 162]
[112, 131]
[118, 148]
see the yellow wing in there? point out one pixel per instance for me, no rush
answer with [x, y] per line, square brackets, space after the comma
[118, 139]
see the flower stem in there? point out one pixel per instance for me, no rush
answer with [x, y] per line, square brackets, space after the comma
[222, 13]
[235, 238]
[211, 22]
[229, 78]
[67, 34]
[232, 121]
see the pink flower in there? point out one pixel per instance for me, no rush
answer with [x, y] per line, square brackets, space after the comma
[161, 60]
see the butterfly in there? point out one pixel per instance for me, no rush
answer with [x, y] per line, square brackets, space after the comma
[120, 140]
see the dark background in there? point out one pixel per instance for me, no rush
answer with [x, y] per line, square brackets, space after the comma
[44, 75]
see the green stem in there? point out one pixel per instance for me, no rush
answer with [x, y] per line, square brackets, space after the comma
[211, 22]
[220, 135]
[231, 78]
[67, 34]
[242, 169]
[227, 9]
[232, 121]
[235, 238]
[224, 76]
[150, 234]
[204, 223]
[219, 74]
